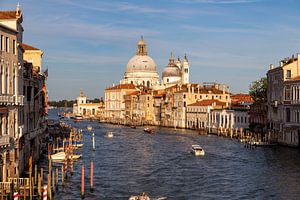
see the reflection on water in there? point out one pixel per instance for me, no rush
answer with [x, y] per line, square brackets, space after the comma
[161, 165]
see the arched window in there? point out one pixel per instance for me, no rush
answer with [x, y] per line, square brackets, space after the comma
[148, 83]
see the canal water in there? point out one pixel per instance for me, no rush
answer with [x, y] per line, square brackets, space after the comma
[162, 165]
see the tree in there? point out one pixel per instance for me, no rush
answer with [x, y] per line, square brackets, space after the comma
[258, 89]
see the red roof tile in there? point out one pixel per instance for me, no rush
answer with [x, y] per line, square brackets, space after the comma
[239, 98]
[122, 86]
[8, 14]
[208, 102]
[28, 47]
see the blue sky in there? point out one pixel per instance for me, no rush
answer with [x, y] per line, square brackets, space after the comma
[87, 44]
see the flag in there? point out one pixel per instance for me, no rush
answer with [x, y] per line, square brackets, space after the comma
[46, 98]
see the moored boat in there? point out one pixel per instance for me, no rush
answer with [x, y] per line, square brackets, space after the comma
[197, 150]
[60, 156]
[78, 118]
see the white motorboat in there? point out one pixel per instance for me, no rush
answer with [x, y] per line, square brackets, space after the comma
[144, 196]
[197, 150]
[60, 156]
[109, 135]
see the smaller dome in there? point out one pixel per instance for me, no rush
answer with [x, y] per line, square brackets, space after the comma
[171, 70]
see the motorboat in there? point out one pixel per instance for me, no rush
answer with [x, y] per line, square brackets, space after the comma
[260, 143]
[60, 156]
[197, 150]
[110, 134]
[149, 130]
[144, 196]
[89, 128]
[133, 127]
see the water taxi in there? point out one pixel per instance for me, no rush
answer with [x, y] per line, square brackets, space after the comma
[197, 150]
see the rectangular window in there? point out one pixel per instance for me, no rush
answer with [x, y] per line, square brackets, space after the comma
[14, 47]
[288, 114]
[2, 43]
[288, 74]
[7, 44]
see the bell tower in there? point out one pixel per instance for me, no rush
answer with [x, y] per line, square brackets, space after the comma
[141, 48]
[185, 71]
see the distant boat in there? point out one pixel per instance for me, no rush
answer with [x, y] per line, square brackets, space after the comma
[89, 128]
[149, 130]
[133, 127]
[197, 150]
[109, 135]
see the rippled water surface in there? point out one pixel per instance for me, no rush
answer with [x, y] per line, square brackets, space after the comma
[161, 165]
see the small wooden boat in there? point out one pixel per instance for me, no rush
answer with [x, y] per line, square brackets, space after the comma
[149, 130]
[60, 156]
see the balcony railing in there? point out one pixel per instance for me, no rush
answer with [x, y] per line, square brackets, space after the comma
[4, 141]
[7, 99]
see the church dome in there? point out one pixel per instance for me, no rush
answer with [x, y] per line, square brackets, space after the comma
[171, 70]
[140, 63]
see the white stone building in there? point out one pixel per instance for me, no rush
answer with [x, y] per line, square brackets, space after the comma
[198, 113]
[86, 109]
[226, 120]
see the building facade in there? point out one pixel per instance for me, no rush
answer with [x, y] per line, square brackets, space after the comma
[278, 94]
[11, 91]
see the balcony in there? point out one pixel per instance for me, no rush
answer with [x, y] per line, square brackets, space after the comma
[6, 99]
[19, 100]
[5, 141]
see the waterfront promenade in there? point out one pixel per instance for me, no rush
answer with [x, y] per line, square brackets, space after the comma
[161, 165]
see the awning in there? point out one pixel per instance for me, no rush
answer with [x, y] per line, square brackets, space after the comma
[3, 110]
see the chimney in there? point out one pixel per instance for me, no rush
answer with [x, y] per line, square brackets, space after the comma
[281, 63]
[217, 86]
[271, 66]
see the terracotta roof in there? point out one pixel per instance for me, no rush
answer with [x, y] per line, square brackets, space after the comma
[122, 86]
[239, 98]
[28, 47]
[208, 102]
[132, 93]
[8, 15]
[297, 78]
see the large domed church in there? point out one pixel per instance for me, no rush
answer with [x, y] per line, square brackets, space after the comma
[142, 70]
